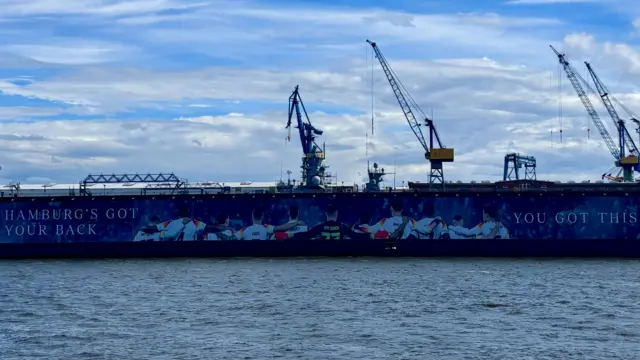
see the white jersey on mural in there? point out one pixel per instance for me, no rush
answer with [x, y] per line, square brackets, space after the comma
[429, 228]
[255, 232]
[176, 229]
[391, 224]
[480, 230]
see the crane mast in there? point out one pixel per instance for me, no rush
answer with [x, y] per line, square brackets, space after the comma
[577, 82]
[313, 159]
[436, 155]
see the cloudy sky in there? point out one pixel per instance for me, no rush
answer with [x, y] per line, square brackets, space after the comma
[200, 87]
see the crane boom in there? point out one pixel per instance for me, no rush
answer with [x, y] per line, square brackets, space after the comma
[577, 81]
[436, 155]
[404, 104]
[313, 160]
[625, 137]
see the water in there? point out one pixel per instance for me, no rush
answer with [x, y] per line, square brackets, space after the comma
[320, 309]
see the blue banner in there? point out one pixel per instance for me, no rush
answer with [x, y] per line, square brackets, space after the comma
[323, 217]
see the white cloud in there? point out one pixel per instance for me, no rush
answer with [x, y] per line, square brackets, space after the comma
[622, 57]
[73, 52]
[300, 26]
[25, 112]
[489, 79]
[92, 7]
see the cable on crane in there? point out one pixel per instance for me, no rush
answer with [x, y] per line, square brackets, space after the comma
[435, 155]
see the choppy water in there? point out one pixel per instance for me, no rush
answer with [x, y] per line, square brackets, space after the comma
[320, 309]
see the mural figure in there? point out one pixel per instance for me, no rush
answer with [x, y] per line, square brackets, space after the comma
[322, 218]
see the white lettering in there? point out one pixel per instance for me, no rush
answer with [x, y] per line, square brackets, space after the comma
[73, 230]
[34, 215]
[530, 218]
[69, 214]
[121, 213]
[584, 217]
[31, 230]
[615, 219]
[517, 216]
[571, 218]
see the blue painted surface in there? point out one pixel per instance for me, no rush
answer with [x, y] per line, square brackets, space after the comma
[537, 217]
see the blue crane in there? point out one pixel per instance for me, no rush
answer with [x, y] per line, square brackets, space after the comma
[436, 155]
[637, 122]
[626, 164]
[625, 139]
[313, 167]
[514, 162]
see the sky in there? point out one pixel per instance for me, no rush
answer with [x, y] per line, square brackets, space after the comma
[200, 88]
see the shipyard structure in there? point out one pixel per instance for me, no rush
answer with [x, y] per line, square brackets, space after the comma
[162, 214]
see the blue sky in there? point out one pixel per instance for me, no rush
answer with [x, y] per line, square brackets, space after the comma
[167, 85]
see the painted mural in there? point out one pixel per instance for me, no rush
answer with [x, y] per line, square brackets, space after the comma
[321, 218]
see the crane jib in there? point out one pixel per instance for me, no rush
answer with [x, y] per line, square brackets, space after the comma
[606, 100]
[406, 103]
[577, 81]
[435, 152]
[628, 164]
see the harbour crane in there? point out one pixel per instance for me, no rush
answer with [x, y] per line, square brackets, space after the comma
[625, 140]
[631, 115]
[436, 155]
[627, 164]
[513, 162]
[637, 122]
[313, 159]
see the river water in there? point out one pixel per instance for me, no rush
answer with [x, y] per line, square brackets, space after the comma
[320, 309]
